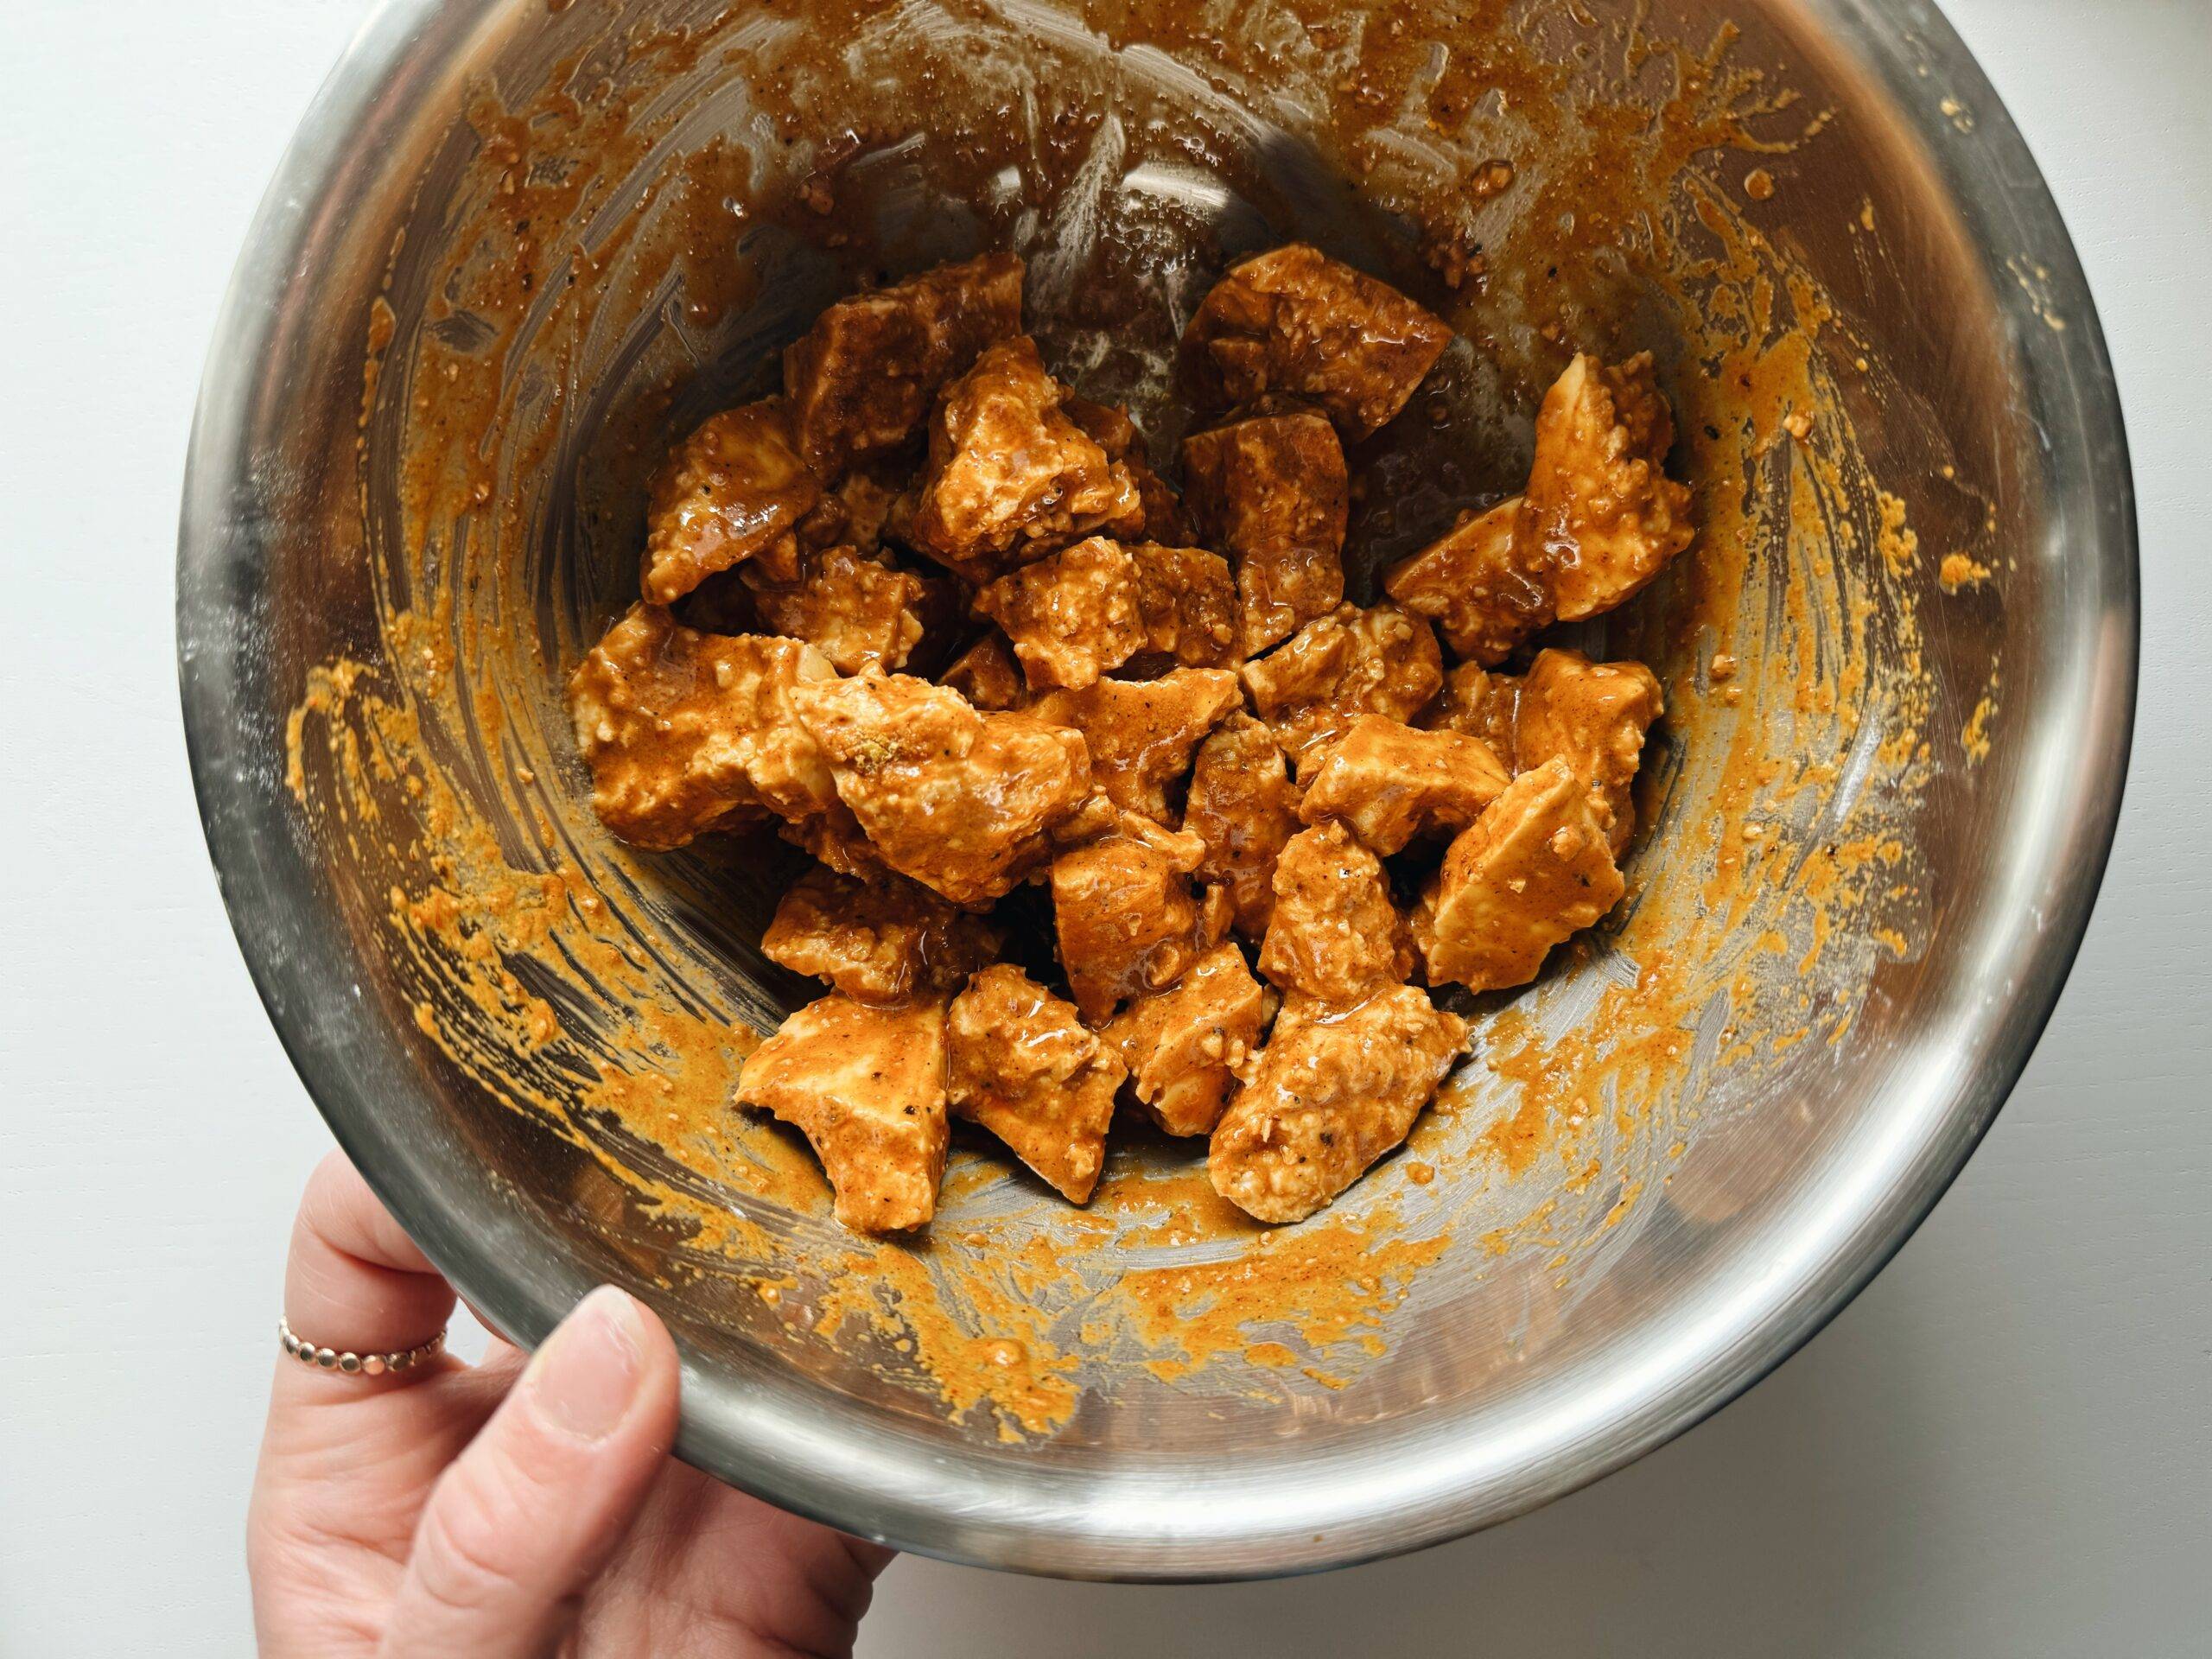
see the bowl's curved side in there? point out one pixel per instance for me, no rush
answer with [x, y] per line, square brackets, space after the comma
[1781, 1285]
[296, 949]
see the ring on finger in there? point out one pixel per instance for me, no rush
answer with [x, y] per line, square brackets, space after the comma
[346, 1360]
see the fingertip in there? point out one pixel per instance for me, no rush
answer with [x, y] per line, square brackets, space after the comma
[354, 1281]
[340, 1209]
[609, 1361]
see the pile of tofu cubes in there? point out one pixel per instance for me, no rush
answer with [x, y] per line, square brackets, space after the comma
[1114, 799]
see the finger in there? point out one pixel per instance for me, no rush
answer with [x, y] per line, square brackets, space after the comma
[354, 1281]
[526, 1517]
[500, 1355]
[354, 1456]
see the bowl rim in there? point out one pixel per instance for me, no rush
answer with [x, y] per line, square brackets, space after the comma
[1914, 55]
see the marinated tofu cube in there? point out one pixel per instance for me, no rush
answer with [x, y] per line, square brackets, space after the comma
[1482, 704]
[1187, 598]
[1164, 521]
[1295, 321]
[1353, 662]
[1141, 734]
[880, 940]
[735, 490]
[1272, 494]
[1071, 617]
[1244, 807]
[1105, 425]
[863, 378]
[1592, 715]
[961, 801]
[1161, 517]
[1097, 816]
[1021, 1065]
[861, 505]
[836, 841]
[1112, 430]
[866, 1086]
[859, 612]
[1088, 609]
[1217, 914]
[1533, 869]
[1182, 1046]
[1388, 783]
[1010, 477]
[1330, 1093]
[1603, 517]
[1477, 583]
[1124, 913]
[1335, 936]
[988, 674]
[687, 732]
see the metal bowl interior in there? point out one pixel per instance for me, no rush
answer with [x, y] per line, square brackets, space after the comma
[515, 246]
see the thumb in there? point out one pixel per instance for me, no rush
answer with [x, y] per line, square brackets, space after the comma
[521, 1523]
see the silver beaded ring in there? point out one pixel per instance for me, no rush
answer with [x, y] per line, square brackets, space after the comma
[353, 1365]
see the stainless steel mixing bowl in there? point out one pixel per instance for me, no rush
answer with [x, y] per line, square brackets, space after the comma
[1971, 719]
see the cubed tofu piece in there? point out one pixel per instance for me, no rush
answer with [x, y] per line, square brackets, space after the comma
[1105, 425]
[1335, 936]
[1088, 609]
[836, 841]
[1096, 816]
[1330, 1093]
[988, 674]
[1112, 430]
[858, 611]
[1482, 704]
[1295, 320]
[687, 732]
[1602, 518]
[881, 940]
[866, 1086]
[849, 517]
[1071, 617]
[735, 490]
[1187, 598]
[1010, 477]
[961, 801]
[1388, 783]
[1592, 715]
[1244, 807]
[863, 376]
[1141, 734]
[1478, 584]
[1217, 914]
[1533, 869]
[1165, 521]
[1272, 494]
[1353, 662]
[1021, 1065]
[1182, 1046]
[854, 513]
[1124, 913]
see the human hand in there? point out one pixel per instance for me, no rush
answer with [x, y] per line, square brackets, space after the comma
[507, 1509]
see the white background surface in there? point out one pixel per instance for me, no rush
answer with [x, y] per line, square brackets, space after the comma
[2004, 1447]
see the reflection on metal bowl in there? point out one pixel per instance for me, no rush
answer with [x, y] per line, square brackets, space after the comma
[517, 247]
